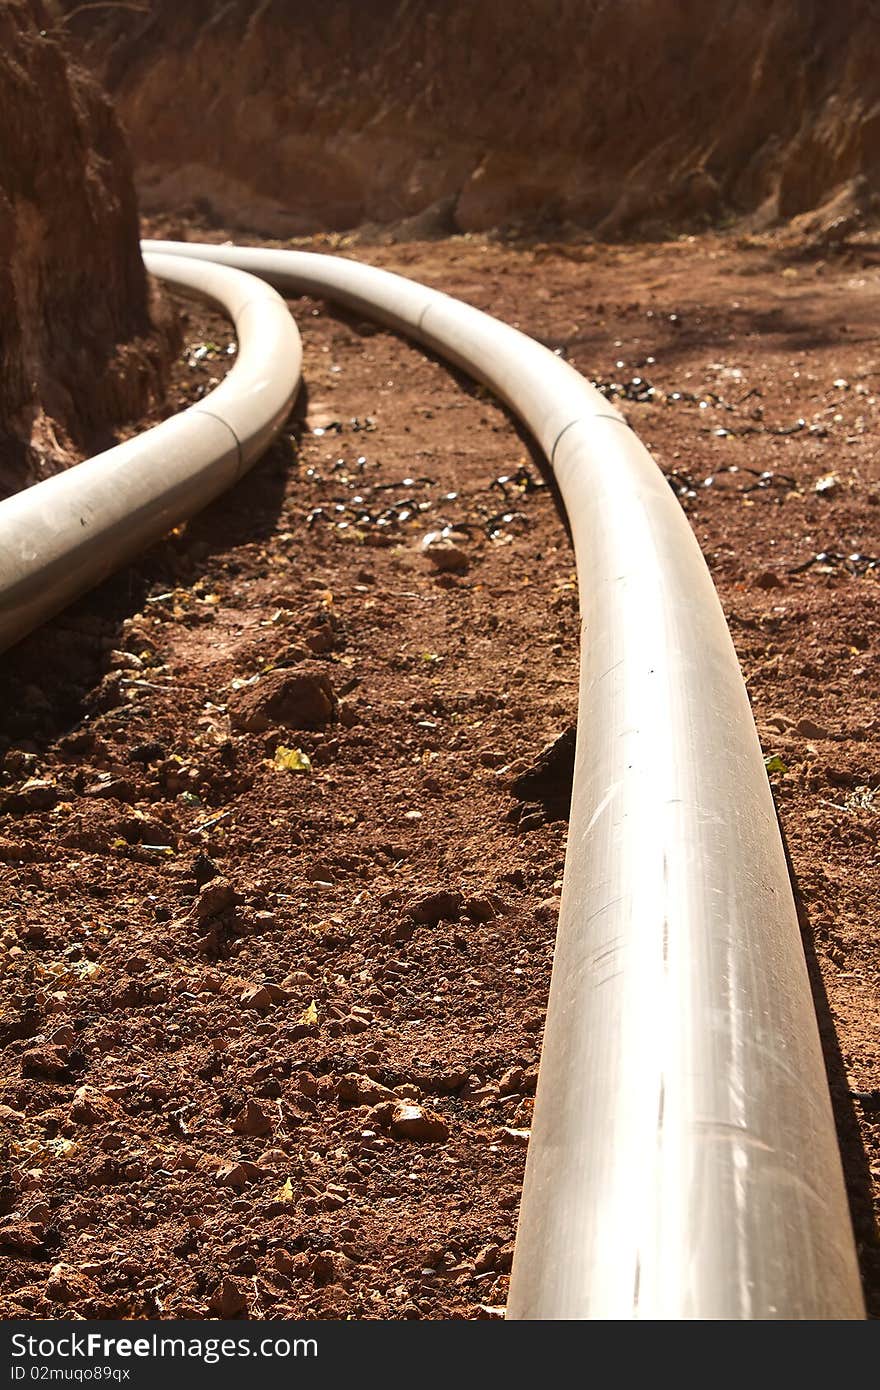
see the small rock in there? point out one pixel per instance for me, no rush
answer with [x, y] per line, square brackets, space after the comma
[322, 1267]
[348, 715]
[252, 1119]
[839, 777]
[35, 795]
[47, 1061]
[215, 898]
[257, 997]
[208, 982]
[523, 1114]
[479, 909]
[548, 910]
[547, 781]
[768, 580]
[25, 1238]
[238, 1173]
[361, 1090]
[808, 728]
[448, 558]
[415, 1122]
[486, 1259]
[90, 1106]
[381, 1115]
[18, 763]
[228, 1299]
[283, 1261]
[443, 549]
[273, 1161]
[146, 753]
[204, 869]
[114, 789]
[512, 1082]
[299, 979]
[780, 722]
[443, 906]
[67, 1285]
[827, 485]
[517, 1137]
[321, 639]
[107, 695]
[301, 698]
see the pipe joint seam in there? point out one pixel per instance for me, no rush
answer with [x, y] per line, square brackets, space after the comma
[199, 409]
[585, 420]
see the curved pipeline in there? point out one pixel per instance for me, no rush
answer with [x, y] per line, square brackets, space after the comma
[68, 533]
[683, 1160]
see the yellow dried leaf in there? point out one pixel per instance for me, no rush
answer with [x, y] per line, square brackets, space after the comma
[285, 1193]
[292, 759]
[309, 1016]
[62, 1148]
[86, 969]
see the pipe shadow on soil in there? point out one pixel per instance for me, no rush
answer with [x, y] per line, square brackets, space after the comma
[50, 680]
[856, 1169]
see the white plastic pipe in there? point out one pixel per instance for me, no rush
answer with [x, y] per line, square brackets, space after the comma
[63, 536]
[683, 1160]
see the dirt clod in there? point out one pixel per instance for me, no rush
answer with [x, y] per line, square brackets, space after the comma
[238, 1173]
[302, 698]
[808, 728]
[228, 1299]
[361, 1090]
[768, 580]
[217, 897]
[410, 1121]
[253, 1118]
[548, 780]
[34, 795]
[67, 1285]
[90, 1107]
[47, 1061]
[442, 906]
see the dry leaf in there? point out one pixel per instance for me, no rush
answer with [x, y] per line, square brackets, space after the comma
[292, 759]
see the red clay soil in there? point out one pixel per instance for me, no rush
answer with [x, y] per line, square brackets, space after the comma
[320, 117]
[83, 345]
[274, 994]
